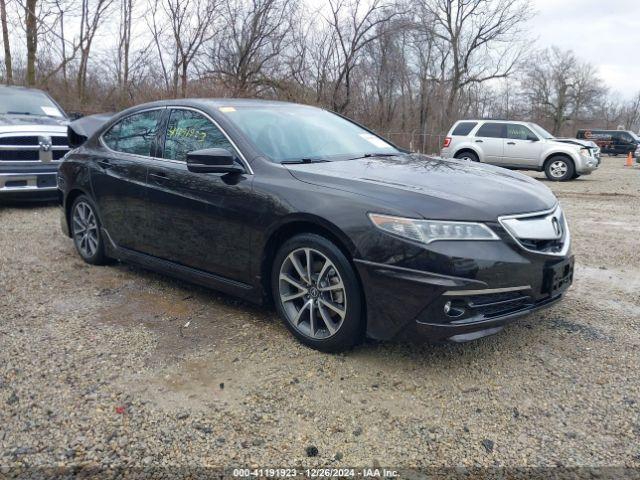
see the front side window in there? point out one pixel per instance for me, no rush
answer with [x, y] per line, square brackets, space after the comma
[296, 132]
[188, 131]
[518, 132]
[134, 134]
[491, 130]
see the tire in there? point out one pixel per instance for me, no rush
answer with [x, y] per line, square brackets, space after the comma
[559, 169]
[576, 175]
[85, 228]
[326, 312]
[467, 155]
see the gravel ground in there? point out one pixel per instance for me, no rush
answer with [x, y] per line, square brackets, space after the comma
[115, 366]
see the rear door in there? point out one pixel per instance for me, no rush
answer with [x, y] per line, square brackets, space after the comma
[490, 139]
[120, 175]
[520, 148]
[198, 219]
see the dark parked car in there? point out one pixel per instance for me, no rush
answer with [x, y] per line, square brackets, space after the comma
[346, 233]
[33, 139]
[612, 142]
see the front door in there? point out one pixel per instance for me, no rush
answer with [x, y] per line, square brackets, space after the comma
[120, 175]
[490, 139]
[522, 148]
[198, 219]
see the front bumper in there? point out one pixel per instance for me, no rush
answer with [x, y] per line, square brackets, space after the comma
[456, 291]
[585, 165]
[27, 181]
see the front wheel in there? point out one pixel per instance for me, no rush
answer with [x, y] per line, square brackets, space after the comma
[317, 294]
[559, 169]
[85, 230]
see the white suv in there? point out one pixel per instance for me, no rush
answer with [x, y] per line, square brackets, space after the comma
[520, 145]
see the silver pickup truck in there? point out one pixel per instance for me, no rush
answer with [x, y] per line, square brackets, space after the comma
[33, 139]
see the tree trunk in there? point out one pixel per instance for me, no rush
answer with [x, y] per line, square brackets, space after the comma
[31, 25]
[5, 41]
[183, 85]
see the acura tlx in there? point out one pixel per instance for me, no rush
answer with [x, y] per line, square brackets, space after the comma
[345, 233]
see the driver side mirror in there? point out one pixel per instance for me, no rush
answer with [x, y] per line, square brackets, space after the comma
[532, 138]
[213, 160]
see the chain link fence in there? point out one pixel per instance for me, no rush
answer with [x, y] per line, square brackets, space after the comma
[429, 143]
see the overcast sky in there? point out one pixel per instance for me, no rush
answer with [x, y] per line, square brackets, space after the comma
[604, 32]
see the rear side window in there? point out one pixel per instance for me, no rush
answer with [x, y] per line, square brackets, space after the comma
[464, 128]
[189, 131]
[134, 134]
[491, 130]
[519, 132]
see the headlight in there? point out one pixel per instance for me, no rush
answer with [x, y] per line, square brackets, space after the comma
[585, 152]
[427, 231]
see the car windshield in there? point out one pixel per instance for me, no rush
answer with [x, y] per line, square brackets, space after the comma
[27, 102]
[634, 136]
[541, 131]
[296, 132]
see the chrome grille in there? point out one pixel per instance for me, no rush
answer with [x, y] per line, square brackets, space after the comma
[33, 148]
[540, 232]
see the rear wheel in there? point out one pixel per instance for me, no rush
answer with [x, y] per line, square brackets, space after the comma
[85, 231]
[317, 294]
[467, 155]
[559, 169]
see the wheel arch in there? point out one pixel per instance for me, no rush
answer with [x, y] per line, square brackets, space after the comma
[295, 225]
[68, 203]
[468, 149]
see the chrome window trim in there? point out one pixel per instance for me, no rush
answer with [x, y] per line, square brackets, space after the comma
[107, 147]
[567, 239]
[169, 160]
[217, 125]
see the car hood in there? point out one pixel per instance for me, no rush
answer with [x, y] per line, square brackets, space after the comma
[575, 141]
[435, 188]
[30, 120]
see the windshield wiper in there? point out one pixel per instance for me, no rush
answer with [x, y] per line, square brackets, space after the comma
[19, 113]
[303, 160]
[370, 155]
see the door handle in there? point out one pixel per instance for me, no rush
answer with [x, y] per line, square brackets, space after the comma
[479, 141]
[159, 176]
[511, 143]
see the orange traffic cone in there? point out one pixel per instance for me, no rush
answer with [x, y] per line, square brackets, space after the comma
[629, 162]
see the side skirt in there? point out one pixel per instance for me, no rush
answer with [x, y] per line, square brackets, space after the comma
[193, 275]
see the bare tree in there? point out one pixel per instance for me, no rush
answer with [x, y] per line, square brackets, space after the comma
[92, 13]
[31, 29]
[124, 43]
[482, 40]
[354, 24]
[180, 33]
[560, 87]
[8, 64]
[245, 55]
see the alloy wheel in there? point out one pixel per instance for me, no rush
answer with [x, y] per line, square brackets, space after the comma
[85, 229]
[558, 169]
[312, 293]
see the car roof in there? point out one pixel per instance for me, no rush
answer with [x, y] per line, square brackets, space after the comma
[493, 120]
[220, 102]
[21, 88]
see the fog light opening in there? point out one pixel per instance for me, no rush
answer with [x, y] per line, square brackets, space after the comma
[452, 311]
